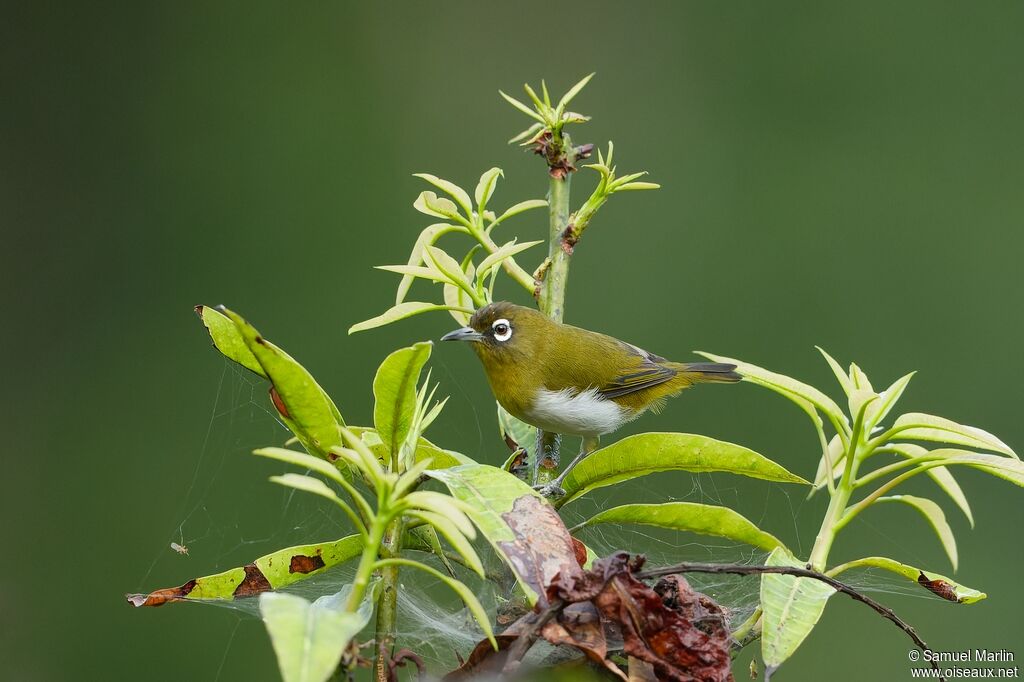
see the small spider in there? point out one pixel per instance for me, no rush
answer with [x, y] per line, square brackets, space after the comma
[180, 549]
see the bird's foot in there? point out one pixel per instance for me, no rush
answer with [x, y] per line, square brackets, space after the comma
[550, 490]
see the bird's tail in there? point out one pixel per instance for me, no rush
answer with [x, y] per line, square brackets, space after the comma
[710, 372]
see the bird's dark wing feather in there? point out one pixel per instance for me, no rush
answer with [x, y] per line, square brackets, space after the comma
[647, 372]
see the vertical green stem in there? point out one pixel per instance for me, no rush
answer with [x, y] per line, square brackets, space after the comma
[840, 499]
[387, 602]
[827, 532]
[552, 300]
[365, 569]
[544, 464]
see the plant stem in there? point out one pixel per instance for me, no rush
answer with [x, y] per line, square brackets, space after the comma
[366, 564]
[749, 630]
[552, 300]
[833, 520]
[827, 532]
[552, 296]
[387, 602]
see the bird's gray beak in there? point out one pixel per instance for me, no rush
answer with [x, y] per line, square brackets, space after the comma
[464, 334]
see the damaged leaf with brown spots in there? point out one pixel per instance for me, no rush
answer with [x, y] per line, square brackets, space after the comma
[302, 404]
[936, 583]
[270, 572]
[522, 527]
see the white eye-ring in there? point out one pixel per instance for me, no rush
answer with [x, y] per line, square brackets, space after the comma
[502, 330]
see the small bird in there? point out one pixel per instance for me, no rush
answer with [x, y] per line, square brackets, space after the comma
[572, 381]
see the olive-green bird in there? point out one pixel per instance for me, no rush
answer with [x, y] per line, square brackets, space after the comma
[572, 381]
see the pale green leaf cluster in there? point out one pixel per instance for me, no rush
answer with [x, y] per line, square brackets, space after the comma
[852, 469]
[547, 117]
[608, 184]
[466, 285]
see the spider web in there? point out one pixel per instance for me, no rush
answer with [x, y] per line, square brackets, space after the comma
[229, 515]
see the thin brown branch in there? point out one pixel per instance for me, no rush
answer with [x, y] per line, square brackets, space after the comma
[522, 645]
[742, 569]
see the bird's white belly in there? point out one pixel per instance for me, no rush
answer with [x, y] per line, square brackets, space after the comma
[576, 413]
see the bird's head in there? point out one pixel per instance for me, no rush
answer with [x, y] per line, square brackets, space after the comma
[503, 332]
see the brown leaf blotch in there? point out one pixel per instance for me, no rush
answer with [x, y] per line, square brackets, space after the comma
[301, 563]
[161, 597]
[275, 397]
[580, 550]
[253, 583]
[939, 588]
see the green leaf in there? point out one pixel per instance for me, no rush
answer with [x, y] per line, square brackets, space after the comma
[318, 487]
[228, 340]
[310, 638]
[301, 459]
[451, 188]
[523, 108]
[917, 426]
[538, 103]
[573, 91]
[400, 312]
[455, 538]
[837, 456]
[415, 271]
[309, 412]
[864, 400]
[1004, 467]
[277, 569]
[527, 134]
[890, 397]
[448, 265]
[450, 507]
[394, 392]
[838, 370]
[692, 517]
[427, 237]
[425, 539]
[941, 475]
[934, 582]
[440, 458]
[647, 453]
[636, 186]
[458, 301]
[860, 379]
[521, 207]
[504, 252]
[430, 204]
[934, 515]
[485, 188]
[785, 386]
[523, 529]
[524, 435]
[460, 588]
[791, 608]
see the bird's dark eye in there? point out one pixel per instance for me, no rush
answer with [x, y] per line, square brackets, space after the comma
[502, 330]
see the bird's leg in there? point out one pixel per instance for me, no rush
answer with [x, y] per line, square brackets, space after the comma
[554, 489]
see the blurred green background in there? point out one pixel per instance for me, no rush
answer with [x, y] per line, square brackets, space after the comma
[842, 174]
